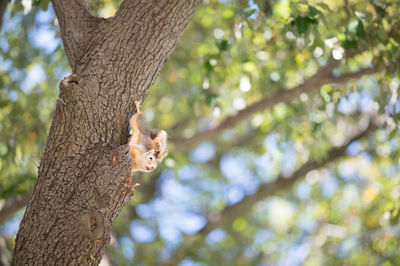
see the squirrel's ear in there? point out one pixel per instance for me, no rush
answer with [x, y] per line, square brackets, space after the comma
[160, 141]
[162, 138]
[162, 154]
[161, 144]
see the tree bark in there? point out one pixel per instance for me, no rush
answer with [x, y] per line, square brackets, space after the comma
[84, 177]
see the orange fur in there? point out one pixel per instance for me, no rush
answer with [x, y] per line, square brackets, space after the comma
[147, 146]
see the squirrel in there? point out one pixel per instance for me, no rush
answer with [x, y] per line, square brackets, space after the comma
[147, 146]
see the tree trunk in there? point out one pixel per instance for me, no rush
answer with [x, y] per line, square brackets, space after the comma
[84, 177]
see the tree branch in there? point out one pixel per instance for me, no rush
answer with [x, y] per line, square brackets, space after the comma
[145, 30]
[12, 206]
[351, 76]
[154, 17]
[132, 7]
[268, 189]
[76, 25]
[3, 7]
[322, 77]
[5, 254]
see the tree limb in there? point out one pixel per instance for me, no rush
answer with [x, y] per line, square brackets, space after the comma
[5, 254]
[76, 25]
[268, 189]
[351, 76]
[13, 205]
[3, 7]
[135, 33]
[322, 77]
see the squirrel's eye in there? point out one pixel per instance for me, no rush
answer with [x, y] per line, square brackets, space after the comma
[151, 158]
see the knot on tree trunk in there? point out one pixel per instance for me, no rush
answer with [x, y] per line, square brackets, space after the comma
[92, 224]
[68, 88]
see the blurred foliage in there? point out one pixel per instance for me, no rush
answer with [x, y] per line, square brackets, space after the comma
[235, 53]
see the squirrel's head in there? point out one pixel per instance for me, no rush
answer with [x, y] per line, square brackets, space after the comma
[149, 162]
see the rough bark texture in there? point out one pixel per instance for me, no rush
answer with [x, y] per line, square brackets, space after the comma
[84, 177]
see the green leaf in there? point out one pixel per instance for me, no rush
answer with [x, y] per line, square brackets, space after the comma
[239, 224]
[359, 15]
[349, 44]
[381, 11]
[360, 32]
[311, 20]
[44, 4]
[301, 24]
[223, 45]
[211, 99]
[393, 133]
[313, 11]
[209, 68]
[228, 13]
[249, 11]
[36, 2]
